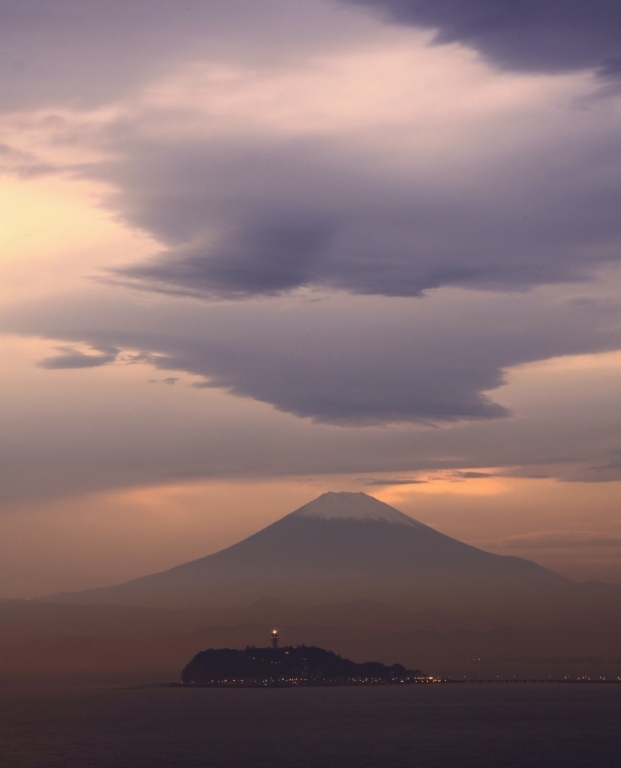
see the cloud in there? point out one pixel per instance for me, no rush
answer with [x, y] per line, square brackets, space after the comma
[351, 365]
[245, 217]
[84, 52]
[391, 482]
[170, 381]
[250, 191]
[556, 540]
[526, 35]
[267, 261]
[347, 360]
[74, 358]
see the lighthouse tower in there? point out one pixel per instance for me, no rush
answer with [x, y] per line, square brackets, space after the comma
[274, 637]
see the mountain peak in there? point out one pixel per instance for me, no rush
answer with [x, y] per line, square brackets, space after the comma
[353, 506]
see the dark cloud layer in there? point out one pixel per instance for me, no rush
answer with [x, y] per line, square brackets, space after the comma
[258, 217]
[527, 35]
[346, 360]
[264, 260]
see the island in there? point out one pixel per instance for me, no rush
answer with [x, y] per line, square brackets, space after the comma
[288, 667]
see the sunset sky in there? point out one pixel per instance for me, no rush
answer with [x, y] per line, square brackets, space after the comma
[255, 250]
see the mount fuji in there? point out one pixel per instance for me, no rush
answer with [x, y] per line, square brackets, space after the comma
[345, 547]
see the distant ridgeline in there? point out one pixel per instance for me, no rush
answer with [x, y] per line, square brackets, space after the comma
[289, 666]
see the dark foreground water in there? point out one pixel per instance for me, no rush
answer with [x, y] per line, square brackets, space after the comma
[435, 725]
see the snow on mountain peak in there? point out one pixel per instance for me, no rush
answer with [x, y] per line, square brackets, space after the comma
[353, 506]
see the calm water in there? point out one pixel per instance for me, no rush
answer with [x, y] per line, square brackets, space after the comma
[453, 726]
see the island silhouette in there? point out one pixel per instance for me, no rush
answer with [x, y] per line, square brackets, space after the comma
[289, 666]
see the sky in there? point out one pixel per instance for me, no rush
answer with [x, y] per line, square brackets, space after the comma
[255, 250]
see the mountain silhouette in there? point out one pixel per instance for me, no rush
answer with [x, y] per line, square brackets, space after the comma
[349, 546]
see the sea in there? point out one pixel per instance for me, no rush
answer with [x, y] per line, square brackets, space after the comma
[496, 724]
